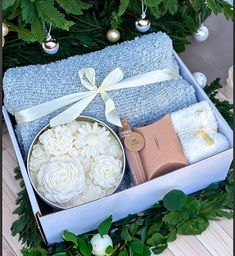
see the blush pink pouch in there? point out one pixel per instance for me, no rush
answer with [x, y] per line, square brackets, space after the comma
[162, 152]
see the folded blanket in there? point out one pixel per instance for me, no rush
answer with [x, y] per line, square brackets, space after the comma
[197, 130]
[28, 86]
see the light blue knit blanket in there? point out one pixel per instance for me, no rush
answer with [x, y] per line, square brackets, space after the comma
[30, 85]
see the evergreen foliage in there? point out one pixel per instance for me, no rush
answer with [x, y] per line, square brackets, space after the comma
[81, 25]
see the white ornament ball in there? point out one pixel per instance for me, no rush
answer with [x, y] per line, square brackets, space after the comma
[50, 46]
[200, 79]
[3, 41]
[99, 244]
[201, 34]
[5, 29]
[113, 35]
[142, 25]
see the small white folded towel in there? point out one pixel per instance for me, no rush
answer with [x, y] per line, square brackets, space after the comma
[188, 122]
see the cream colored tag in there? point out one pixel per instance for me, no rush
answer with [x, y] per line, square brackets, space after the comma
[134, 141]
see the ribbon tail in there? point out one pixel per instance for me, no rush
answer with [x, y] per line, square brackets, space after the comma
[145, 79]
[46, 108]
[110, 110]
[72, 112]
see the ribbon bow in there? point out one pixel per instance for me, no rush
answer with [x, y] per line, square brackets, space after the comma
[113, 81]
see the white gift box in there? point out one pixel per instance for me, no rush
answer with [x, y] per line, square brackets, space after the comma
[87, 217]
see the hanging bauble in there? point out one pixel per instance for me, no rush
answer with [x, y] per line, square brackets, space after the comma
[3, 41]
[113, 35]
[200, 79]
[201, 34]
[143, 24]
[50, 45]
[5, 29]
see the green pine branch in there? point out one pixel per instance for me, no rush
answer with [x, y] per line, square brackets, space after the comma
[22, 15]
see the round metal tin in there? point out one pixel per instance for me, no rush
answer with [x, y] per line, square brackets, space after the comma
[80, 118]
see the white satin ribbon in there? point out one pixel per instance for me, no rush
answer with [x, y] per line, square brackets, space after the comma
[113, 81]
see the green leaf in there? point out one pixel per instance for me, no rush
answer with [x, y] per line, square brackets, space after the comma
[39, 251]
[28, 11]
[104, 227]
[172, 236]
[123, 253]
[174, 200]
[142, 232]
[109, 250]
[228, 10]
[171, 218]
[193, 226]
[153, 3]
[125, 235]
[171, 6]
[159, 249]
[133, 228]
[73, 6]
[191, 207]
[70, 237]
[157, 238]
[154, 229]
[49, 13]
[38, 30]
[7, 3]
[60, 254]
[122, 7]
[84, 248]
[137, 247]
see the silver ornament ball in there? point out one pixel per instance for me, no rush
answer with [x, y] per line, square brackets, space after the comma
[201, 34]
[5, 29]
[143, 24]
[200, 79]
[113, 35]
[3, 41]
[50, 46]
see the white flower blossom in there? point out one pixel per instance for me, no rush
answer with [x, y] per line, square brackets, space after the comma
[114, 149]
[61, 179]
[92, 140]
[92, 192]
[57, 141]
[106, 171]
[38, 157]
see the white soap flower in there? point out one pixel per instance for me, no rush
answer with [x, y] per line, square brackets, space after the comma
[61, 179]
[86, 163]
[74, 152]
[106, 171]
[73, 126]
[92, 139]
[100, 244]
[38, 151]
[114, 149]
[38, 157]
[92, 192]
[57, 141]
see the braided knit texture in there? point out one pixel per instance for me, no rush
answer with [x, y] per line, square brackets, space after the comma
[27, 86]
